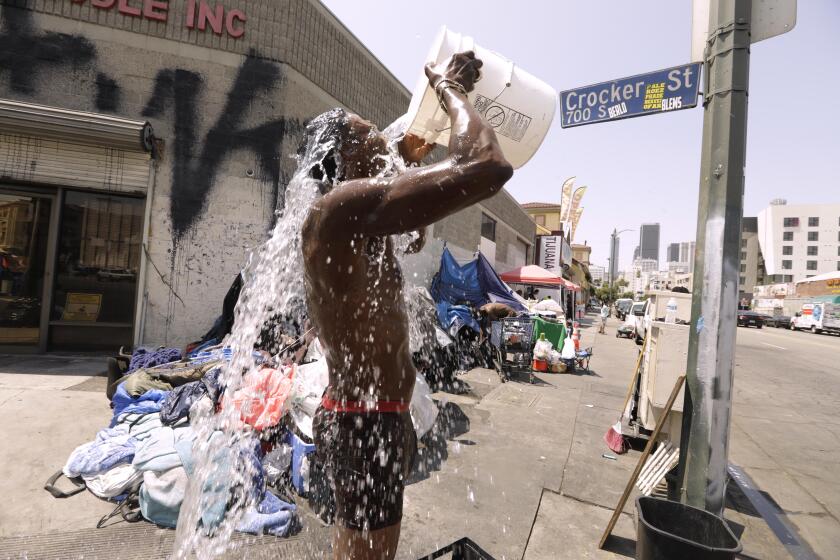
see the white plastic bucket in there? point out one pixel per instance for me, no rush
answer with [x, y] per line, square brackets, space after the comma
[519, 106]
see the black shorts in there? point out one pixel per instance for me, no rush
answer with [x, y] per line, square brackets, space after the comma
[367, 458]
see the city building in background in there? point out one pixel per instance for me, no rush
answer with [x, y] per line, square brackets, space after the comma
[673, 253]
[649, 242]
[643, 271]
[547, 216]
[598, 273]
[681, 257]
[751, 273]
[581, 253]
[798, 241]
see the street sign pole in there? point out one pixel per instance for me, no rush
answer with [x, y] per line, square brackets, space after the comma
[704, 443]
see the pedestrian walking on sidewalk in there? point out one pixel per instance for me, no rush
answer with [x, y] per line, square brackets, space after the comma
[605, 312]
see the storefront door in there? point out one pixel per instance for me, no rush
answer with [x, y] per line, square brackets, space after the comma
[97, 267]
[24, 275]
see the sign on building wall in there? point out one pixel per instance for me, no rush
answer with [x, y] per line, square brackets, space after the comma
[197, 14]
[554, 252]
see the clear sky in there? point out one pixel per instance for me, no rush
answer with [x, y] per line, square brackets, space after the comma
[644, 169]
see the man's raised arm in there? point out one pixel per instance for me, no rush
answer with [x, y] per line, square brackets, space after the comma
[474, 170]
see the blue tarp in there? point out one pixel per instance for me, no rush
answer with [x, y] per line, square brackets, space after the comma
[456, 288]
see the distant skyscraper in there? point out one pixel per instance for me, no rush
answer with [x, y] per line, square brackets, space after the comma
[687, 254]
[674, 252]
[649, 242]
[636, 253]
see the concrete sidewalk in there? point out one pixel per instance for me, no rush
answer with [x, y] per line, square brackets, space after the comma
[529, 480]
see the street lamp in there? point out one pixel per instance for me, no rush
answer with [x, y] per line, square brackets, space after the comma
[614, 253]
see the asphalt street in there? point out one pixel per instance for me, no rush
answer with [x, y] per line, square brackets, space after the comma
[785, 426]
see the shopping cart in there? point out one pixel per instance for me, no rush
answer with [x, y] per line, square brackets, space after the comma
[513, 346]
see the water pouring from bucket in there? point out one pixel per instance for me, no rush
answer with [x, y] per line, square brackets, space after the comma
[518, 106]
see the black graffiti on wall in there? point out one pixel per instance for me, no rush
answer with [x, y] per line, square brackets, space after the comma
[29, 58]
[194, 175]
[26, 55]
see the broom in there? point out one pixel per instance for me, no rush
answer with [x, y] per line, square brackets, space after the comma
[613, 438]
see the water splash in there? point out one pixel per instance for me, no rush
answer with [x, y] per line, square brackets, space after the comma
[273, 283]
[225, 483]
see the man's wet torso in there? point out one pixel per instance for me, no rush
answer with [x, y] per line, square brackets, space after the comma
[355, 301]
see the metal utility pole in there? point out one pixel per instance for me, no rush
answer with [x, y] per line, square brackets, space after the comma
[711, 349]
[614, 239]
[613, 251]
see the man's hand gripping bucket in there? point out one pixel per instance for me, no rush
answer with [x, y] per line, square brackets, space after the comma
[516, 104]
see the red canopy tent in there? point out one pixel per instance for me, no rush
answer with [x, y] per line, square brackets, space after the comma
[533, 274]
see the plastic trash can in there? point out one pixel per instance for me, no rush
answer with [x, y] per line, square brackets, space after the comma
[670, 530]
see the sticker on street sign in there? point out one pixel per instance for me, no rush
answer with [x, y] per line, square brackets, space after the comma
[656, 92]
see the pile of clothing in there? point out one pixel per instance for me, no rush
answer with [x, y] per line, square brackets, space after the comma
[144, 460]
[145, 456]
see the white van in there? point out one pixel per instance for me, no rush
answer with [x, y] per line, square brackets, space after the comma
[817, 317]
[638, 320]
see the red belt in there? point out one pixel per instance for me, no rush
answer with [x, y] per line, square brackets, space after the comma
[364, 406]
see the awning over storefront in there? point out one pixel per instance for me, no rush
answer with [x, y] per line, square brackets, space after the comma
[533, 274]
[52, 146]
[77, 126]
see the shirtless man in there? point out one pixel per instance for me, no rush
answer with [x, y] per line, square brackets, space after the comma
[354, 289]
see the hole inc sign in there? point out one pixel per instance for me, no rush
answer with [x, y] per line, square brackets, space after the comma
[199, 14]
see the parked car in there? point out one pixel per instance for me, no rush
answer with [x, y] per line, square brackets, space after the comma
[750, 319]
[637, 319]
[622, 306]
[778, 321]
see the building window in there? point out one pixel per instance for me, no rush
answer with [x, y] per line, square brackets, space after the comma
[838, 265]
[813, 236]
[812, 250]
[540, 219]
[838, 250]
[811, 265]
[742, 280]
[787, 265]
[791, 222]
[787, 236]
[488, 227]
[743, 255]
[787, 249]
[743, 268]
[743, 242]
[96, 269]
[813, 222]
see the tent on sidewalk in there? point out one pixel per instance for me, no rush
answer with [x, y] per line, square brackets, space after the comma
[457, 287]
[533, 274]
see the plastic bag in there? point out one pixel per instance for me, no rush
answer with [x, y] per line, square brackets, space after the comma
[568, 352]
[542, 349]
[423, 409]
